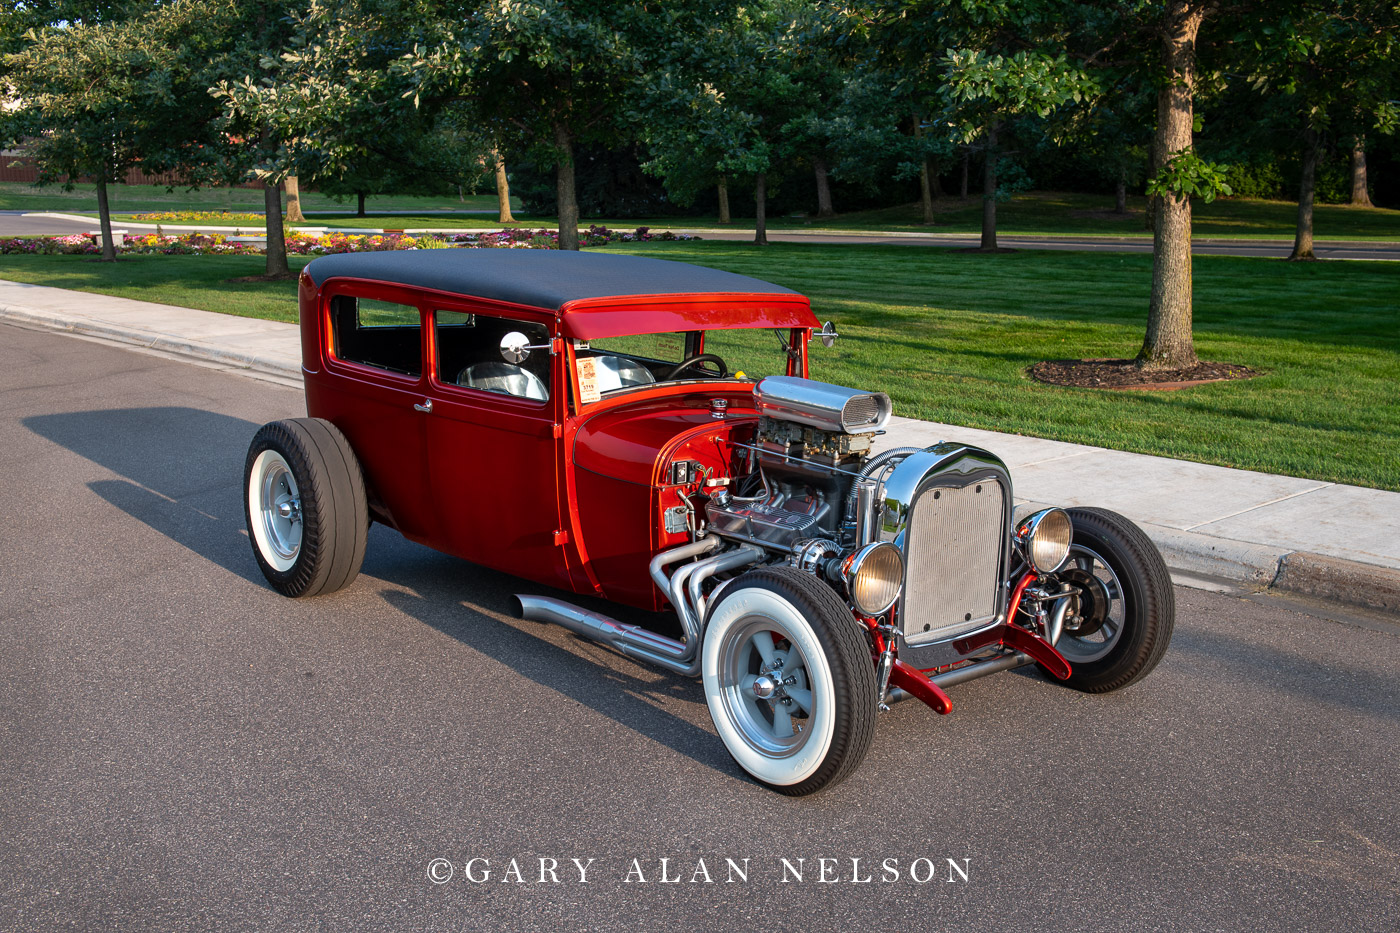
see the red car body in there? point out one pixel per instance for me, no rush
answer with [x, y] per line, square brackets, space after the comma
[569, 419]
[549, 466]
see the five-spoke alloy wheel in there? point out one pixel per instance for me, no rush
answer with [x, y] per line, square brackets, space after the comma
[789, 681]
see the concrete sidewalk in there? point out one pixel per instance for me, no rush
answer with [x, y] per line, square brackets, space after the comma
[1216, 526]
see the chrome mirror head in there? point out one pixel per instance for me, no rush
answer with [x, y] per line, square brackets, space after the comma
[515, 347]
[827, 335]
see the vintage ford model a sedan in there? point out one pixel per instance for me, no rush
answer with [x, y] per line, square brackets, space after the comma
[647, 432]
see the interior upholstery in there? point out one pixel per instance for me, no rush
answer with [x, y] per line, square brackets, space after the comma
[505, 378]
[618, 372]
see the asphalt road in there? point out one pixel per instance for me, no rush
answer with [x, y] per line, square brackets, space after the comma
[184, 749]
[13, 223]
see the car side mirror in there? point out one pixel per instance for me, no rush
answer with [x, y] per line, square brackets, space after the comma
[827, 335]
[515, 347]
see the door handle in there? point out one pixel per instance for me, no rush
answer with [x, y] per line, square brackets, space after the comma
[427, 406]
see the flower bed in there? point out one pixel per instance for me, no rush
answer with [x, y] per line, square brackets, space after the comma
[79, 244]
[185, 217]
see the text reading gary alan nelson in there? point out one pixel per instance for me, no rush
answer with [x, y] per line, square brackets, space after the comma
[484, 870]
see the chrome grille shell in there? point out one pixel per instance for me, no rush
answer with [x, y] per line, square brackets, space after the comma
[948, 508]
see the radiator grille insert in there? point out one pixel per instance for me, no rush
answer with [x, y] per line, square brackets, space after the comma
[953, 557]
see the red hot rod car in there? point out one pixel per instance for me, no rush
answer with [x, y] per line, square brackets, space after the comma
[646, 431]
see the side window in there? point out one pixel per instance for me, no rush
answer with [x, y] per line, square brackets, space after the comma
[375, 333]
[469, 354]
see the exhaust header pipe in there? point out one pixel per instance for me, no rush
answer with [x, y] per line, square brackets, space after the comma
[631, 640]
[687, 598]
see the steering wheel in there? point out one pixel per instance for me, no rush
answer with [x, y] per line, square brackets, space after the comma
[694, 363]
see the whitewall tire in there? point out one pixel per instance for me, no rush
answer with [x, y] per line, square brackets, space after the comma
[789, 680]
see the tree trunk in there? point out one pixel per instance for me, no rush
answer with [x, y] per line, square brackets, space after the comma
[293, 189]
[104, 222]
[823, 189]
[1360, 196]
[935, 186]
[502, 190]
[359, 204]
[760, 199]
[1168, 343]
[276, 244]
[564, 188]
[1120, 193]
[724, 217]
[1303, 240]
[967, 163]
[989, 191]
[925, 191]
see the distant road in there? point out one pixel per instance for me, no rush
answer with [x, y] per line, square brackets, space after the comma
[1277, 249]
[21, 223]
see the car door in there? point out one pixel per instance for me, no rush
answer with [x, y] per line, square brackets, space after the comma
[493, 453]
[377, 394]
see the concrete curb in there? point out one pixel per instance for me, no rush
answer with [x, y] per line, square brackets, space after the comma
[1206, 556]
[1256, 566]
[1348, 582]
[146, 340]
[1342, 581]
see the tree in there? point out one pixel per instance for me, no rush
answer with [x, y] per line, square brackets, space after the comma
[259, 81]
[1360, 191]
[99, 98]
[543, 77]
[348, 117]
[1169, 342]
[729, 104]
[973, 70]
[984, 93]
[1333, 67]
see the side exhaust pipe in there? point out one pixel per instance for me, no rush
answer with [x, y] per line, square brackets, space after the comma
[631, 640]
[687, 598]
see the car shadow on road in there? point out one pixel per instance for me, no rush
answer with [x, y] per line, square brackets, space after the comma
[181, 472]
[466, 603]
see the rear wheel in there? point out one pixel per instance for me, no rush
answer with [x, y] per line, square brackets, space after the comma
[789, 680]
[1121, 621]
[304, 501]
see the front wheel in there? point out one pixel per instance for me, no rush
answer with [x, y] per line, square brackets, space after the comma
[304, 501]
[1119, 624]
[789, 680]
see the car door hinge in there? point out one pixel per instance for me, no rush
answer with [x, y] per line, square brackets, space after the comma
[561, 538]
[558, 430]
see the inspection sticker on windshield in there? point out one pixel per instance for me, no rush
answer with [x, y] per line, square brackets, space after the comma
[588, 381]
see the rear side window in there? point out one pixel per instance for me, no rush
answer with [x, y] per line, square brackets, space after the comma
[382, 334]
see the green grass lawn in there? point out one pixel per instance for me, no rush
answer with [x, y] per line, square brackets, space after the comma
[949, 335]
[1037, 213]
[126, 200]
[1047, 213]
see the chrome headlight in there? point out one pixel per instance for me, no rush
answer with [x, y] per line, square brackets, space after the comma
[1043, 538]
[874, 576]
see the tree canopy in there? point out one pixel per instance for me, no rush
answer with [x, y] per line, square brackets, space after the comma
[1175, 99]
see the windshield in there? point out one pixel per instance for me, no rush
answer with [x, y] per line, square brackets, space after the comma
[624, 362]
